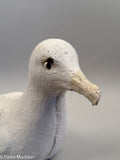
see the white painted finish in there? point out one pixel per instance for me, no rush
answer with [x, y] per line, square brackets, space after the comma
[33, 123]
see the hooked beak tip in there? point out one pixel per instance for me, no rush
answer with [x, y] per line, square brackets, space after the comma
[83, 86]
[98, 99]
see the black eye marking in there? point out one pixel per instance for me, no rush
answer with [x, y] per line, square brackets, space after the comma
[49, 62]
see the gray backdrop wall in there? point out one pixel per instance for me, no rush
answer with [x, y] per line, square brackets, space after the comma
[93, 28]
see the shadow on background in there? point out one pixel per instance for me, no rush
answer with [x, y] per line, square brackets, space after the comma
[87, 147]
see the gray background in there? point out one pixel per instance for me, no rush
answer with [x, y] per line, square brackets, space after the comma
[93, 28]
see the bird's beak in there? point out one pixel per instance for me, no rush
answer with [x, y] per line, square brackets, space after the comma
[82, 85]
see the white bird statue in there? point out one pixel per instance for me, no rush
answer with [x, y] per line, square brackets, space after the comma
[33, 123]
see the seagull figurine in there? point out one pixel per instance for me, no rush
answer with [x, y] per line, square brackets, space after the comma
[33, 123]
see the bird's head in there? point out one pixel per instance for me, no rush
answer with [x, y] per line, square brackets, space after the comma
[54, 68]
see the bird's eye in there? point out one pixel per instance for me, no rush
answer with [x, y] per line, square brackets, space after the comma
[48, 63]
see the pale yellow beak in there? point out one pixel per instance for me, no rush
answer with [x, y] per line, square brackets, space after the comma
[82, 85]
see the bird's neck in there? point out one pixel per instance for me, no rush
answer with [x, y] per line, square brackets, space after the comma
[37, 98]
[42, 110]
[38, 88]
[39, 102]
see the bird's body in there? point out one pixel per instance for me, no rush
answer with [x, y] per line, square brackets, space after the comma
[25, 129]
[33, 123]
